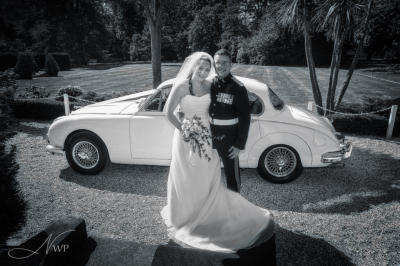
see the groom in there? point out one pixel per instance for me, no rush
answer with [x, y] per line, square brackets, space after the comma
[229, 117]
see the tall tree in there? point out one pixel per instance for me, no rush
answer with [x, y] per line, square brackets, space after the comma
[296, 15]
[153, 9]
[336, 17]
[353, 65]
[339, 16]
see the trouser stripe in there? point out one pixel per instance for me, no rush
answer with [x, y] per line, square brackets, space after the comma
[237, 173]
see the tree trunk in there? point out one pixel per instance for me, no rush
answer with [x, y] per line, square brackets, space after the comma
[349, 74]
[355, 59]
[310, 61]
[337, 69]
[152, 9]
[334, 59]
[155, 34]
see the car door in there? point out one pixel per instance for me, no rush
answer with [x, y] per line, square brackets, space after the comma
[151, 132]
[256, 108]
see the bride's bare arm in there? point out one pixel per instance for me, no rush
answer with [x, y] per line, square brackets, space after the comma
[175, 96]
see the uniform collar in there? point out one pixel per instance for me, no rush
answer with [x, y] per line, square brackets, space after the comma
[226, 79]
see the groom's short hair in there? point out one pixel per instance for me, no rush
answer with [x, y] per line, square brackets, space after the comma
[223, 52]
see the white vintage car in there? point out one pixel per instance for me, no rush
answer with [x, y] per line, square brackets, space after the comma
[133, 129]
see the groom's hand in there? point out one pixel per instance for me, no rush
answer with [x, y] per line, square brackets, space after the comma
[233, 152]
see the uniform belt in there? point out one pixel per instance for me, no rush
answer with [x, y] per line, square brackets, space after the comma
[224, 122]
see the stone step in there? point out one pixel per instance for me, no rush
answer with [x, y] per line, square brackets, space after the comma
[63, 242]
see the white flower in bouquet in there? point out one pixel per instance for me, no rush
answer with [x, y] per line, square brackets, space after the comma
[194, 132]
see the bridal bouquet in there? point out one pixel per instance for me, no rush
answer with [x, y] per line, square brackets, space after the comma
[197, 135]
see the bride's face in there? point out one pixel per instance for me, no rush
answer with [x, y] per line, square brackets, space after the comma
[202, 70]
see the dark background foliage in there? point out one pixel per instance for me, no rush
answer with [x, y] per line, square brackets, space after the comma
[116, 30]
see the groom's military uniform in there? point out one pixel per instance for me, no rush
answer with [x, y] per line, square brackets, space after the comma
[229, 115]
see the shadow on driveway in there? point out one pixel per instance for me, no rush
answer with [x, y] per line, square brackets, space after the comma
[368, 179]
[292, 249]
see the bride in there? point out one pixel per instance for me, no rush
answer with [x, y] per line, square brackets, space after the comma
[201, 211]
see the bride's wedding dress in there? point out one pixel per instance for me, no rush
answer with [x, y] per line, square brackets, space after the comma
[201, 212]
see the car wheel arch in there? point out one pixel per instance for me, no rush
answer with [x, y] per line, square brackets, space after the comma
[281, 138]
[71, 134]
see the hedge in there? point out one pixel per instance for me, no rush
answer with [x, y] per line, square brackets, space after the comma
[38, 108]
[12, 207]
[371, 124]
[8, 60]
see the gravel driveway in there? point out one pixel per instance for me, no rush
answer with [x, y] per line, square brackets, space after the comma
[341, 215]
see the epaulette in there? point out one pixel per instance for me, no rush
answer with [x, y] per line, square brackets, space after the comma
[237, 81]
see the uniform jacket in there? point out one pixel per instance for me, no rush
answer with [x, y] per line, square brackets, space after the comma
[229, 100]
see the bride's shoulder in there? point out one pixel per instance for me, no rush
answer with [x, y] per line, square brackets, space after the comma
[181, 87]
[181, 84]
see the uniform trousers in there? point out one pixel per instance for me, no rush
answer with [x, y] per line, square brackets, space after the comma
[223, 137]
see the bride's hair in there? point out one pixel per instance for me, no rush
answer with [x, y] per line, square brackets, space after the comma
[190, 63]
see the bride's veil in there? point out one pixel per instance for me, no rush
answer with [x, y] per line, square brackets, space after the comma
[190, 62]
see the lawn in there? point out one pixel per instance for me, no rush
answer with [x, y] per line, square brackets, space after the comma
[291, 83]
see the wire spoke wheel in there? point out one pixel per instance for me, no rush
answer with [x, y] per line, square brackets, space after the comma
[85, 154]
[280, 161]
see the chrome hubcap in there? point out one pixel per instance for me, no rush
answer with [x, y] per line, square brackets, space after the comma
[85, 154]
[280, 161]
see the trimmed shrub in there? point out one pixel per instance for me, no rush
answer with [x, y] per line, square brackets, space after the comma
[34, 92]
[38, 108]
[52, 67]
[7, 60]
[7, 91]
[73, 91]
[25, 66]
[7, 79]
[93, 97]
[63, 60]
[40, 60]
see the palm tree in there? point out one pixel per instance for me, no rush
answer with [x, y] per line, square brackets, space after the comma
[339, 19]
[296, 15]
[353, 65]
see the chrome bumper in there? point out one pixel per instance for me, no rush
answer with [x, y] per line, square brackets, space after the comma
[53, 149]
[338, 156]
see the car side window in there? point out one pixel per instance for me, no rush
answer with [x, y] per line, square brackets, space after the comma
[158, 101]
[152, 106]
[256, 105]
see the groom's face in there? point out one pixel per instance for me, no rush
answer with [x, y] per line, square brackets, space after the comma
[222, 65]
